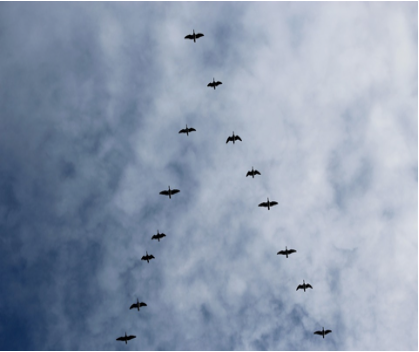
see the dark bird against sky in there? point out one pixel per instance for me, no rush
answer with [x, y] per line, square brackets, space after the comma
[147, 257]
[252, 173]
[233, 138]
[158, 236]
[214, 84]
[138, 305]
[169, 192]
[304, 286]
[287, 251]
[194, 36]
[322, 333]
[187, 130]
[268, 204]
[126, 338]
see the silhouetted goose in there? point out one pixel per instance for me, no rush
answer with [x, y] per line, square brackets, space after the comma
[233, 138]
[147, 257]
[322, 333]
[287, 251]
[170, 192]
[268, 204]
[214, 84]
[158, 236]
[252, 173]
[138, 305]
[126, 338]
[194, 36]
[187, 130]
[304, 286]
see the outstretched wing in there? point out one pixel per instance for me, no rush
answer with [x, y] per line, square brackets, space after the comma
[319, 333]
[165, 193]
[237, 138]
[257, 172]
[192, 129]
[151, 256]
[130, 337]
[199, 35]
[144, 257]
[264, 204]
[218, 83]
[133, 306]
[122, 338]
[154, 237]
[174, 191]
[162, 235]
[273, 203]
[142, 304]
[309, 286]
[298, 287]
[229, 139]
[327, 331]
[182, 131]
[248, 173]
[291, 251]
[189, 36]
[211, 84]
[281, 252]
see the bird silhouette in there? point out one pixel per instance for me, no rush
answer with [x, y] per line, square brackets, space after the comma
[126, 338]
[233, 138]
[158, 236]
[194, 36]
[187, 130]
[147, 257]
[322, 333]
[304, 286]
[138, 305]
[169, 192]
[252, 173]
[268, 204]
[214, 84]
[287, 251]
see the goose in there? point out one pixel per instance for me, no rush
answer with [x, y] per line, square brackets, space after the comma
[170, 192]
[187, 130]
[322, 333]
[233, 138]
[158, 236]
[194, 36]
[287, 251]
[252, 173]
[304, 286]
[138, 305]
[213, 83]
[147, 257]
[268, 204]
[126, 338]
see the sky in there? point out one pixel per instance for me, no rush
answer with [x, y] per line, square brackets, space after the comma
[325, 99]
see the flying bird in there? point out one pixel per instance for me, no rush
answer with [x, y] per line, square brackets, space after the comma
[194, 36]
[138, 305]
[126, 338]
[287, 251]
[187, 130]
[304, 286]
[252, 173]
[147, 257]
[268, 204]
[322, 333]
[233, 138]
[170, 192]
[158, 236]
[214, 84]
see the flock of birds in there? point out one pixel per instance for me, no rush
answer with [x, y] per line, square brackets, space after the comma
[268, 204]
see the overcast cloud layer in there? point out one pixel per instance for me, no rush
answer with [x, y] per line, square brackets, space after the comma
[325, 99]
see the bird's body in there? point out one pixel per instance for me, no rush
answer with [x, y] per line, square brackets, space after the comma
[169, 192]
[126, 338]
[187, 130]
[138, 305]
[304, 286]
[158, 236]
[214, 84]
[194, 36]
[147, 257]
[268, 204]
[233, 138]
[252, 173]
[287, 251]
[322, 333]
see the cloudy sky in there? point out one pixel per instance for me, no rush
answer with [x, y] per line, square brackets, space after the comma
[325, 99]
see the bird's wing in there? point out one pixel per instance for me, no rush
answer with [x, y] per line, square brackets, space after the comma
[318, 332]
[248, 173]
[122, 338]
[142, 304]
[291, 251]
[264, 204]
[174, 191]
[327, 331]
[273, 203]
[162, 235]
[199, 35]
[151, 256]
[257, 172]
[133, 306]
[308, 285]
[281, 252]
[218, 83]
[165, 193]
[130, 337]
[210, 84]
[154, 237]
[192, 129]
[238, 138]
[182, 131]
[144, 257]
[229, 139]
[189, 36]
[298, 287]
